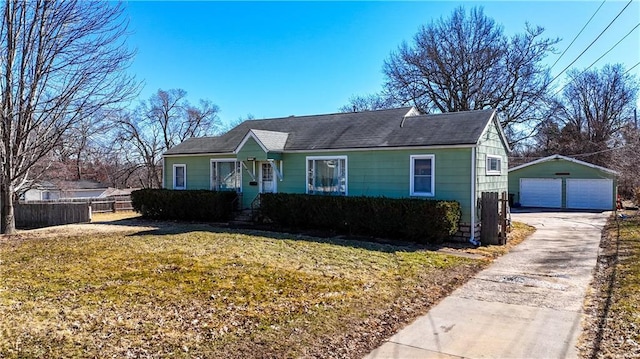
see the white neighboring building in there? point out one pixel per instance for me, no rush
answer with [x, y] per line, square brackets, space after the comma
[50, 191]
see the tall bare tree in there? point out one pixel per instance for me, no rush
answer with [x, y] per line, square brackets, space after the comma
[466, 62]
[157, 125]
[61, 61]
[596, 105]
[371, 102]
[626, 160]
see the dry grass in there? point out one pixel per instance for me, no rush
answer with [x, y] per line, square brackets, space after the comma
[612, 327]
[113, 216]
[519, 232]
[194, 291]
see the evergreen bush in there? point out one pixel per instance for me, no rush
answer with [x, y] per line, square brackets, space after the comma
[424, 221]
[191, 205]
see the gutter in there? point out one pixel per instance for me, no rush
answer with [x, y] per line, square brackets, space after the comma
[472, 239]
[164, 165]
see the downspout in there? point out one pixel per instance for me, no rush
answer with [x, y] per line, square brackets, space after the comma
[164, 165]
[472, 239]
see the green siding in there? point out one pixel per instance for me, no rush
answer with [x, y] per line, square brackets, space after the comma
[387, 173]
[198, 176]
[251, 148]
[369, 173]
[548, 169]
[249, 186]
[491, 143]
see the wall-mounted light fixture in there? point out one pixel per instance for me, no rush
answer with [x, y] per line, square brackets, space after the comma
[251, 158]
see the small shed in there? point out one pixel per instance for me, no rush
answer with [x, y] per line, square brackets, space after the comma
[562, 182]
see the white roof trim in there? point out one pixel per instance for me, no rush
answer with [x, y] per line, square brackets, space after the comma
[503, 137]
[256, 134]
[250, 134]
[561, 157]
[351, 149]
[200, 154]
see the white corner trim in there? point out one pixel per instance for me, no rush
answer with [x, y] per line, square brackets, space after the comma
[474, 197]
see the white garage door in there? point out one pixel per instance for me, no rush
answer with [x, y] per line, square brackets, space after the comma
[590, 193]
[541, 192]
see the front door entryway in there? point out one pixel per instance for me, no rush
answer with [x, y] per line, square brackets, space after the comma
[267, 179]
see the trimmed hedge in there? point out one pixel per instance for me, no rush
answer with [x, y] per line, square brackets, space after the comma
[191, 205]
[419, 220]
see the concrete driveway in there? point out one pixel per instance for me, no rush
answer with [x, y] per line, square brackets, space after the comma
[527, 304]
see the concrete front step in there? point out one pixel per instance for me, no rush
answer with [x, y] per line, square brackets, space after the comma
[244, 217]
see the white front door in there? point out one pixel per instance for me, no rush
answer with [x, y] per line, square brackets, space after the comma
[268, 183]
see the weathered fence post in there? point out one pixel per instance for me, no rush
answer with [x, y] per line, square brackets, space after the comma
[504, 221]
[489, 218]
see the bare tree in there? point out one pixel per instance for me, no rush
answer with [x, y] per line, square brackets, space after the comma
[82, 147]
[626, 161]
[596, 106]
[466, 62]
[157, 125]
[371, 102]
[61, 61]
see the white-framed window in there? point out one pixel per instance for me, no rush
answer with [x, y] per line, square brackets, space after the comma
[327, 175]
[423, 174]
[225, 175]
[494, 165]
[180, 176]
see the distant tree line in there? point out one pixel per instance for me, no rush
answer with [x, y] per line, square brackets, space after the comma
[124, 148]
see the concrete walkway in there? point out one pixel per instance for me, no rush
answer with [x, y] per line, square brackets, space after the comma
[527, 304]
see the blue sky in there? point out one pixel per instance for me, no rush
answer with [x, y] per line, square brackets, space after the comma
[274, 59]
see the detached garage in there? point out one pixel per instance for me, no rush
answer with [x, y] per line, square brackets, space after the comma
[562, 182]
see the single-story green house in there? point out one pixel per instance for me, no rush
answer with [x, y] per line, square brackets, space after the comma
[394, 153]
[562, 182]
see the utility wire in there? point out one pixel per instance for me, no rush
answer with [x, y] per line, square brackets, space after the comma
[531, 158]
[600, 58]
[632, 67]
[592, 42]
[612, 47]
[575, 38]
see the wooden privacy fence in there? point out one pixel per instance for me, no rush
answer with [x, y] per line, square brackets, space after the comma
[33, 215]
[98, 205]
[494, 217]
[111, 205]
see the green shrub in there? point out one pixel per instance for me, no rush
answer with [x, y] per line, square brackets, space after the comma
[413, 219]
[192, 205]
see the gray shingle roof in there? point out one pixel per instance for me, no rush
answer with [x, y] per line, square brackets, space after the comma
[368, 129]
[272, 140]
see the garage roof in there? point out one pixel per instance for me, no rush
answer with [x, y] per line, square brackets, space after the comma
[561, 157]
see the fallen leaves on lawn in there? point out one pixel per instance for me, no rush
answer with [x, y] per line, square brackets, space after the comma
[185, 291]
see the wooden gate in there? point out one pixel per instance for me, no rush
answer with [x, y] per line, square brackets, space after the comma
[489, 218]
[495, 223]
